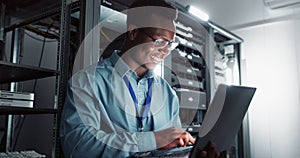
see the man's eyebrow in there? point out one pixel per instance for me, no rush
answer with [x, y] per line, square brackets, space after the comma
[162, 37]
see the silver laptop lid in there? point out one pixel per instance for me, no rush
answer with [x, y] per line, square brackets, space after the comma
[224, 117]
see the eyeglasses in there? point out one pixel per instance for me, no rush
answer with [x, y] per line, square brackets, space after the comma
[160, 42]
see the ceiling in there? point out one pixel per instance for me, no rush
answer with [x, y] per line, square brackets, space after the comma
[21, 10]
[226, 13]
[27, 8]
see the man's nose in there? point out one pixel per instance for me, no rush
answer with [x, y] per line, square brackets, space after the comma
[165, 50]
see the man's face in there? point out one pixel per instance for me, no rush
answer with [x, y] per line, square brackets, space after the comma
[149, 43]
[147, 53]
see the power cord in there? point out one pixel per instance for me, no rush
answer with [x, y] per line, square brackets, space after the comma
[41, 56]
[18, 129]
[38, 39]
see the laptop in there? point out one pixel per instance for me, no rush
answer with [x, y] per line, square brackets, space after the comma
[220, 125]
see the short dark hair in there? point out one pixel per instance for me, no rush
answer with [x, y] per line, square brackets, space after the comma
[136, 17]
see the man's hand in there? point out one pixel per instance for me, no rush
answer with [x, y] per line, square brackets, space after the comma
[209, 151]
[172, 137]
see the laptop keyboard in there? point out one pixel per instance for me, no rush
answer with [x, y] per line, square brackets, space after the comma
[177, 152]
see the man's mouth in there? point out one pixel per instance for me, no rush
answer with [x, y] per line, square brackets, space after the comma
[156, 59]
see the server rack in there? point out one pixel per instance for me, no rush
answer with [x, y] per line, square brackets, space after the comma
[16, 17]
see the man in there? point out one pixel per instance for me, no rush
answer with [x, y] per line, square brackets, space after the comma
[120, 107]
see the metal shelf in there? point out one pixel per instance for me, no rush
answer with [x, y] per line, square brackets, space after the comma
[15, 72]
[4, 110]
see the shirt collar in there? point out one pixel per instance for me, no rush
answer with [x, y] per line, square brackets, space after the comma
[122, 68]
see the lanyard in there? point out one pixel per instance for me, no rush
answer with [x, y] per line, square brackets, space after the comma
[147, 102]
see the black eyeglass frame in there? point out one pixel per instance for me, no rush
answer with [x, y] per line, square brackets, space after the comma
[160, 41]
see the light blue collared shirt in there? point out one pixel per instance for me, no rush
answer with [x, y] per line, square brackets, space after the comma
[99, 117]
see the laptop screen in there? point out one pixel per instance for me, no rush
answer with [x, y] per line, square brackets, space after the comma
[224, 116]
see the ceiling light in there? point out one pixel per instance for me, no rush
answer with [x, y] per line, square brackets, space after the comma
[276, 4]
[198, 13]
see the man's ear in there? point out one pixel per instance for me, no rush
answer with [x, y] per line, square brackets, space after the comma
[132, 32]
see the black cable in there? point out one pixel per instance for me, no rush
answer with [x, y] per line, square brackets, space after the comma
[2, 46]
[40, 61]
[20, 123]
[42, 52]
[2, 137]
[41, 40]
[50, 31]
[42, 31]
[5, 57]
[41, 57]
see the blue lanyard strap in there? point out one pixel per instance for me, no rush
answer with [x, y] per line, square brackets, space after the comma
[147, 102]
